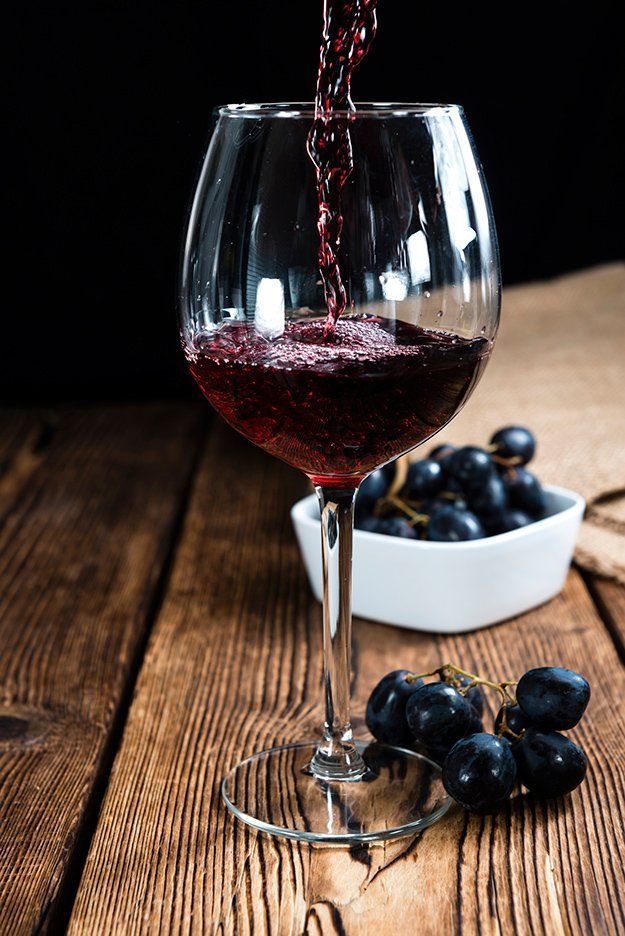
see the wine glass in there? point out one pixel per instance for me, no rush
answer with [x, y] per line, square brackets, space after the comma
[419, 265]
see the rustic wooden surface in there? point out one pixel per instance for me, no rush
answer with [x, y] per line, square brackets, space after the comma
[89, 501]
[110, 817]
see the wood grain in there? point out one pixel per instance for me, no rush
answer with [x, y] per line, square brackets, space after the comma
[609, 596]
[233, 665]
[89, 500]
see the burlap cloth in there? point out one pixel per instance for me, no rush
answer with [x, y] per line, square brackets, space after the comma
[559, 368]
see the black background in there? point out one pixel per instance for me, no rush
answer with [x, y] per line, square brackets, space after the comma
[109, 106]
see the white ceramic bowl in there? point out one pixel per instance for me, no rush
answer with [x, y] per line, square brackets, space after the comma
[452, 587]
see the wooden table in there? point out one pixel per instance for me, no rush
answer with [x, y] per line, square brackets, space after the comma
[156, 625]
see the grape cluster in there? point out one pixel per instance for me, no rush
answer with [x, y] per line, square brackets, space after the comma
[444, 718]
[455, 495]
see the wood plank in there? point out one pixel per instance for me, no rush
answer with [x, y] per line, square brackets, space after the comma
[233, 665]
[89, 499]
[609, 596]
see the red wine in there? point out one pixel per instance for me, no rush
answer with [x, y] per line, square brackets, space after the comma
[348, 30]
[336, 406]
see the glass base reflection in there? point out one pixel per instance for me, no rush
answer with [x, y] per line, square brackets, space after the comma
[275, 792]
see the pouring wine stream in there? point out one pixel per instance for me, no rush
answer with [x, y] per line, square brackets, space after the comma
[348, 31]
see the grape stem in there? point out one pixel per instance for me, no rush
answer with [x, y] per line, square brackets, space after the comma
[492, 450]
[449, 670]
[401, 473]
[403, 506]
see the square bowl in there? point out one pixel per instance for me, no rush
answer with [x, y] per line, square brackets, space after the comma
[449, 588]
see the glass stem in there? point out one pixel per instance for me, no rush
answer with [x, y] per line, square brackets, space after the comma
[336, 757]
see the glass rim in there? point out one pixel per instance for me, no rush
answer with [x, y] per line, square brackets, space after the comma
[306, 109]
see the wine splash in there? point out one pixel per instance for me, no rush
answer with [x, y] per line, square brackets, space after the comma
[348, 30]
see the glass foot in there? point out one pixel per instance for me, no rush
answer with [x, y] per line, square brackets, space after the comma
[275, 792]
